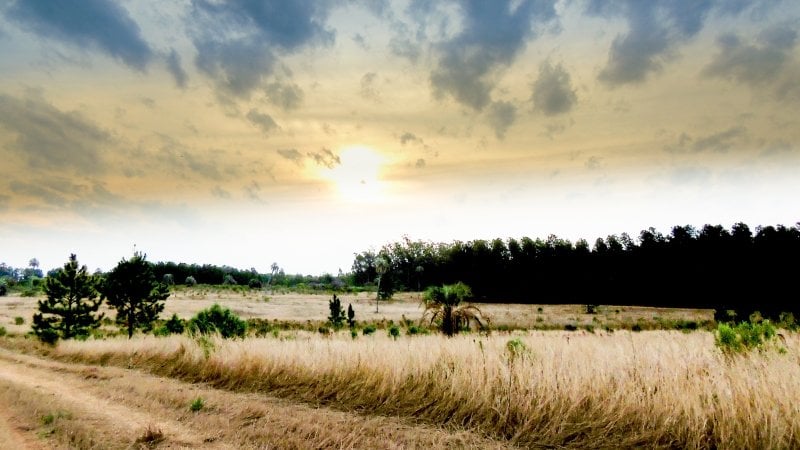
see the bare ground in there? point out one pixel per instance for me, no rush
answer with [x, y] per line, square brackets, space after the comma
[49, 404]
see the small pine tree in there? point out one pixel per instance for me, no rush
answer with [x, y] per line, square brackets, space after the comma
[351, 316]
[71, 304]
[132, 290]
[217, 319]
[337, 313]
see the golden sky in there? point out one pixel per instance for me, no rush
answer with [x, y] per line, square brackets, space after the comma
[245, 132]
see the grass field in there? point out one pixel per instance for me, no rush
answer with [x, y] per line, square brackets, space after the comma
[301, 389]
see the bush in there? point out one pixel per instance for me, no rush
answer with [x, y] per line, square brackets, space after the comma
[175, 325]
[19, 321]
[218, 320]
[369, 329]
[190, 281]
[229, 280]
[3, 290]
[591, 309]
[394, 332]
[197, 404]
[254, 283]
[336, 318]
[744, 337]
[2, 330]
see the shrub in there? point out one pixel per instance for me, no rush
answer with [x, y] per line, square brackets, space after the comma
[2, 330]
[369, 329]
[394, 332]
[3, 289]
[254, 283]
[570, 327]
[229, 280]
[336, 318]
[190, 281]
[412, 330]
[175, 325]
[218, 320]
[591, 309]
[168, 279]
[351, 316]
[19, 321]
[744, 337]
[353, 333]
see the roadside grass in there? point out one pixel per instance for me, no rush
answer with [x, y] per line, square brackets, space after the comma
[578, 389]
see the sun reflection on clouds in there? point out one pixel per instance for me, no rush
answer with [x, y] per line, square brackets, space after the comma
[358, 178]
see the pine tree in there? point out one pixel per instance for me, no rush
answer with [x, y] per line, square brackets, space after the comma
[337, 313]
[133, 291]
[351, 316]
[71, 304]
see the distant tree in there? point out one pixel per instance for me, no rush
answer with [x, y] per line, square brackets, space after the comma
[168, 279]
[443, 304]
[381, 267]
[229, 280]
[351, 316]
[132, 290]
[71, 303]
[190, 281]
[3, 288]
[336, 318]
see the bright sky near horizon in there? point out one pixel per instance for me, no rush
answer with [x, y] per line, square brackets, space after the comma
[247, 132]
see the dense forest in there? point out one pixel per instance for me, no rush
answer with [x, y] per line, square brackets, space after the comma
[712, 267]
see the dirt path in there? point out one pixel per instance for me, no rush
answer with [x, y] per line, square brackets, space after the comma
[107, 407]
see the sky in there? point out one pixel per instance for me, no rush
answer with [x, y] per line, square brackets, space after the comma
[248, 132]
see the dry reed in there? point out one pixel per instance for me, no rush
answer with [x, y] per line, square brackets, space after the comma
[654, 389]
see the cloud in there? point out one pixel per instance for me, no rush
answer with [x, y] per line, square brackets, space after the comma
[184, 162]
[5, 200]
[101, 24]
[719, 142]
[287, 96]
[690, 175]
[326, 158]
[420, 164]
[407, 137]
[59, 192]
[368, 89]
[493, 34]
[768, 62]
[174, 67]
[263, 121]
[553, 93]
[52, 139]
[593, 163]
[218, 192]
[240, 41]
[655, 29]
[501, 116]
[361, 41]
[292, 155]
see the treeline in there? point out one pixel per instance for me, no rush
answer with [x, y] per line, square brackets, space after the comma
[712, 267]
[178, 273]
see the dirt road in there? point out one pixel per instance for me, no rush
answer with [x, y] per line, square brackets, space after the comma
[49, 404]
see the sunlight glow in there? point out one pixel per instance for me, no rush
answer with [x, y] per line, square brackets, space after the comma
[357, 177]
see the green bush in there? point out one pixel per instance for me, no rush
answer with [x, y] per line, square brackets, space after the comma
[369, 329]
[254, 283]
[744, 337]
[218, 320]
[19, 321]
[3, 289]
[2, 330]
[190, 281]
[175, 325]
[197, 404]
[394, 332]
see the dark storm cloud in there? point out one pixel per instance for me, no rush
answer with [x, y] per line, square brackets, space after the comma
[767, 62]
[263, 121]
[239, 41]
[176, 69]
[49, 138]
[493, 34]
[655, 29]
[501, 116]
[287, 96]
[553, 93]
[719, 142]
[101, 24]
[67, 193]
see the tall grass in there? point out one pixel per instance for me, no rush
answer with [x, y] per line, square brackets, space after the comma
[659, 388]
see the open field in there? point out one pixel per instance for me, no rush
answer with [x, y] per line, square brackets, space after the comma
[314, 307]
[545, 389]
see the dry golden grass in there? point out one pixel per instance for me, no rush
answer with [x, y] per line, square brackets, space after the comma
[654, 389]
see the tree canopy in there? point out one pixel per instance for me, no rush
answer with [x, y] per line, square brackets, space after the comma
[133, 290]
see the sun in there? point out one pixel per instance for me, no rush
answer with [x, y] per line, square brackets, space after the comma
[357, 177]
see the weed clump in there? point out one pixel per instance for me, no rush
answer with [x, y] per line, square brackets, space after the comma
[197, 404]
[744, 337]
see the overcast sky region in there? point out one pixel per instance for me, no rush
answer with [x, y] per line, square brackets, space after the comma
[247, 132]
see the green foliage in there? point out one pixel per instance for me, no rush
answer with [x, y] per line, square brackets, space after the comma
[323, 330]
[19, 321]
[336, 317]
[175, 325]
[132, 290]
[197, 404]
[70, 307]
[394, 332]
[3, 289]
[413, 330]
[369, 329]
[516, 349]
[353, 333]
[229, 280]
[2, 331]
[744, 337]
[591, 309]
[190, 281]
[218, 320]
[254, 283]
[442, 306]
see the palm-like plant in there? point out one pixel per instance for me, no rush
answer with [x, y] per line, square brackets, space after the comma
[443, 304]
